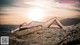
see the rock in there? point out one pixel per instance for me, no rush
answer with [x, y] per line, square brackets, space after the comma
[47, 36]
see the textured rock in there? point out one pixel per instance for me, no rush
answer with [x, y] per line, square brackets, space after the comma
[47, 36]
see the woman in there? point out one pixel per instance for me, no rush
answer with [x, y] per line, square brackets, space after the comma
[46, 24]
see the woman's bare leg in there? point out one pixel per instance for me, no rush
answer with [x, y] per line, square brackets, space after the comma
[51, 21]
[59, 24]
[48, 23]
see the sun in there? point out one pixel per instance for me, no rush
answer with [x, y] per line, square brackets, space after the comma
[36, 14]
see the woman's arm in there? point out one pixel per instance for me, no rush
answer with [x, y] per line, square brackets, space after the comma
[20, 27]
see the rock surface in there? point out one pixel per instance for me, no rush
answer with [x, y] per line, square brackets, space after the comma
[47, 36]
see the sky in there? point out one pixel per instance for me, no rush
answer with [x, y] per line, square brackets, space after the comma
[19, 11]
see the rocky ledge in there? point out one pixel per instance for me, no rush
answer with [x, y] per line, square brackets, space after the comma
[47, 36]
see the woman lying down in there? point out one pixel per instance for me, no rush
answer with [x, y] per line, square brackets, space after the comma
[46, 24]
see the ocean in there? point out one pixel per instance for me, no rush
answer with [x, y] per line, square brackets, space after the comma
[5, 29]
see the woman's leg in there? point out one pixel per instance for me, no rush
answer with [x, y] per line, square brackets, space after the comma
[48, 23]
[59, 24]
[51, 21]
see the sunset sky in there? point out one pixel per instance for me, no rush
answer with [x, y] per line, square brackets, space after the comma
[19, 11]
